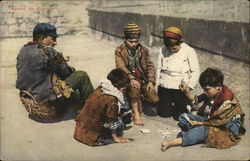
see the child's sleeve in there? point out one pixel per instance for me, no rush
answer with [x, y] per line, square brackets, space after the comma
[200, 98]
[223, 115]
[112, 111]
[112, 122]
[197, 100]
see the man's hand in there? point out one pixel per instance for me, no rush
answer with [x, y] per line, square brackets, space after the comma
[150, 87]
[136, 84]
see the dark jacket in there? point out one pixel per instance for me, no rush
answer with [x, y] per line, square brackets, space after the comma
[35, 65]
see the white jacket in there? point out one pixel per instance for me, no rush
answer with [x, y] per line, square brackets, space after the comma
[173, 68]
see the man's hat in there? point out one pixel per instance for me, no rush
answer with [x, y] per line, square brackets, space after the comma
[132, 31]
[173, 33]
[45, 29]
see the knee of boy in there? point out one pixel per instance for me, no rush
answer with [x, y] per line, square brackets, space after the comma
[134, 99]
[183, 124]
[182, 117]
[134, 94]
[151, 98]
[155, 100]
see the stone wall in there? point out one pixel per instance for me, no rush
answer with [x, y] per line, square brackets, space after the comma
[230, 39]
[222, 10]
[18, 18]
[219, 44]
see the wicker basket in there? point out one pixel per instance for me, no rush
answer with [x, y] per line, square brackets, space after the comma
[38, 110]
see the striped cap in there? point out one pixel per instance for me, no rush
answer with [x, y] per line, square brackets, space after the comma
[132, 31]
[173, 33]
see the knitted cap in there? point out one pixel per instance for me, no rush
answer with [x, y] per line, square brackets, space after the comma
[132, 31]
[173, 33]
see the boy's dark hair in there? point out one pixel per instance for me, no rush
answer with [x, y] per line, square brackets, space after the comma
[211, 77]
[171, 42]
[36, 37]
[118, 78]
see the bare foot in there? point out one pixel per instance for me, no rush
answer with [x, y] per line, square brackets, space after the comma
[138, 122]
[165, 145]
[169, 143]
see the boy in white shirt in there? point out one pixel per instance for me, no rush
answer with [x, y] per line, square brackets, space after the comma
[177, 62]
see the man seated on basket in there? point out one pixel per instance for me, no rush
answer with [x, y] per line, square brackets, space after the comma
[46, 82]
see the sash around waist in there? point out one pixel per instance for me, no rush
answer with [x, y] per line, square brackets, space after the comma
[173, 73]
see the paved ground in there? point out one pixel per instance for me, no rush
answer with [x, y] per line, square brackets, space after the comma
[25, 139]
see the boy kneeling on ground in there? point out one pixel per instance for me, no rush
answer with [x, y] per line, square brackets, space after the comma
[105, 113]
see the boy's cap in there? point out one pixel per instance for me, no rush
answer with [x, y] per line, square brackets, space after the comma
[172, 33]
[132, 31]
[45, 29]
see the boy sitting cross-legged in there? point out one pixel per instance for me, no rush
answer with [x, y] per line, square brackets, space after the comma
[219, 122]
